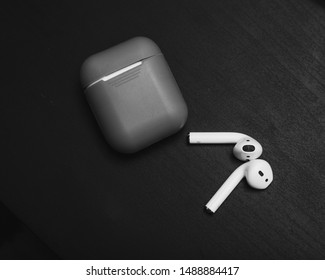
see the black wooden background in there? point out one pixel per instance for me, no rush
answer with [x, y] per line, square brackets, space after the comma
[256, 67]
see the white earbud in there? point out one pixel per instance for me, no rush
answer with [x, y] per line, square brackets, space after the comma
[258, 173]
[246, 147]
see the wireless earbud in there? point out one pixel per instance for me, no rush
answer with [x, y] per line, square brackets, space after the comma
[246, 147]
[258, 173]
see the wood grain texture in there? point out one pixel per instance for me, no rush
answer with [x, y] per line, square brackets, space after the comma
[256, 67]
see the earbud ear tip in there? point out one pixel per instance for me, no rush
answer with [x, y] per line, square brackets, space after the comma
[259, 175]
[247, 149]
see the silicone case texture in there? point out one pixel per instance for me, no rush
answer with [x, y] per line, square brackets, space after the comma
[133, 94]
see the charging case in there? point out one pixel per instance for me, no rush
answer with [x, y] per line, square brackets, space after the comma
[133, 94]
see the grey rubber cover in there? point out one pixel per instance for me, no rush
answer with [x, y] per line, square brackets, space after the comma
[115, 58]
[140, 106]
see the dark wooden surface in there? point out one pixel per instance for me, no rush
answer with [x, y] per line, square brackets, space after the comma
[18, 242]
[256, 67]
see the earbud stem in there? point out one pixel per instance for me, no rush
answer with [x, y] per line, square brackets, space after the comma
[228, 186]
[214, 137]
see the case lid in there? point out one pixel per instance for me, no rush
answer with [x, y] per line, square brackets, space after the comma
[113, 59]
